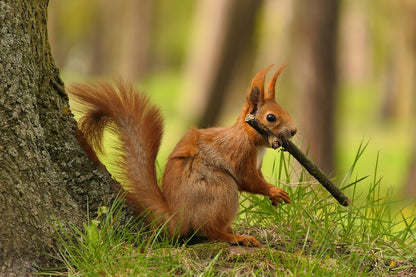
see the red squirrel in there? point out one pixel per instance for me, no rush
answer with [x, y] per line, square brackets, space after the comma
[205, 171]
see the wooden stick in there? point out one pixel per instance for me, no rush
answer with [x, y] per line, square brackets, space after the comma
[290, 147]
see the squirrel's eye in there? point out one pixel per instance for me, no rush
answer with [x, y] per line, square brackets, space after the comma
[271, 117]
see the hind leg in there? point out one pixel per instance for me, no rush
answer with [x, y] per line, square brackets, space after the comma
[214, 222]
[215, 234]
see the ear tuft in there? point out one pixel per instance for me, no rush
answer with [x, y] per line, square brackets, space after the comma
[258, 80]
[255, 96]
[270, 92]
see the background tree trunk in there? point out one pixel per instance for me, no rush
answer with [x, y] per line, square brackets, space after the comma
[218, 55]
[107, 25]
[238, 43]
[410, 10]
[135, 49]
[45, 176]
[315, 75]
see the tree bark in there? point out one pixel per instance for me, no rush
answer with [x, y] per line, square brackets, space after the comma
[315, 64]
[45, 177]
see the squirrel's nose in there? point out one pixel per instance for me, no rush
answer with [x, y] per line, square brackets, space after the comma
[293, 131]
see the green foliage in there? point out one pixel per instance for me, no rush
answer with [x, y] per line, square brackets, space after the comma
[312, 236]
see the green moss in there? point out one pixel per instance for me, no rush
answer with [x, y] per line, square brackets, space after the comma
[204, 251]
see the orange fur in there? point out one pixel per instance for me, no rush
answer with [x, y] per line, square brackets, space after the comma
[206, 169]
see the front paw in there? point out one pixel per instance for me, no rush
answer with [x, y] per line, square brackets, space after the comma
[278, 196]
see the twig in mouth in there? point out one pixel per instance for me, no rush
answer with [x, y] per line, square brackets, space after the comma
[276, 141]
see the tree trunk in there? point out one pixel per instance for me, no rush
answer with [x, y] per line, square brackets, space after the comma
[104, 38]
[225, 36]
[45, 176]
[314, 59]
[134, 50]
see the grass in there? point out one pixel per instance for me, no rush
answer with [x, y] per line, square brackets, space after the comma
[314, 236]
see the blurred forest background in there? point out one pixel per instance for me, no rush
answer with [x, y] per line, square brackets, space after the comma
[350, 77]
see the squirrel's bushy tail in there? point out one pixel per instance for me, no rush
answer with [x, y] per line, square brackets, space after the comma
[139, 126]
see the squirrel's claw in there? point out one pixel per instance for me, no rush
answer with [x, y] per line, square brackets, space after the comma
[279, 196]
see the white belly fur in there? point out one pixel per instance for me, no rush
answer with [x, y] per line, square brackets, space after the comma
[261, 151]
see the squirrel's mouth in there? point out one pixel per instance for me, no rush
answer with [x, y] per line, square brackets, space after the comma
[275, 144]
[279, 140]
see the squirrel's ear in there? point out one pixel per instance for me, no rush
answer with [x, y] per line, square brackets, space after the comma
[254, 99]
[270, 92]
[255, 95]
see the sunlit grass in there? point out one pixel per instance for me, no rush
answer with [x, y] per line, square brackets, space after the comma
[106, 246]
[369, 237]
